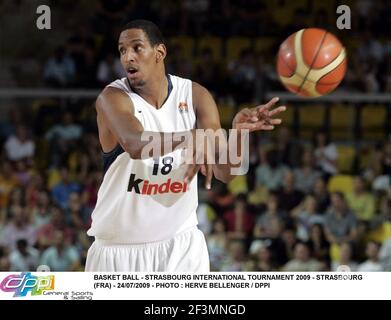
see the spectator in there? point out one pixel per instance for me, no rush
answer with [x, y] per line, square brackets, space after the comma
[381, 168]
[220, 198]
[361, 201]
[17, 197]
[386, 75]
[68, 130]
[289, 239]
[20, 146]
[24, 257]
[276, 241]
[61, 256]
[369, 78]
[46, 232]
[60, 69]
[240, 222]
[306, 216]
[288, 197]
[318, 243]
[17, 228]
[306, 175]
[217, 245]
[302, 260]
[373, 262]
[8, 125]
[321, 195]
[237, 257]
[207, 71]
[370, 49]
[90, 191]
[41, 212]
[109, 69]
[346, 255]
[63, 139]
[264, 224]
[4, 264]
[178, 64]
[385, 255]
[34, 187]
[242, 74]
[289, 149]
[262, 257]
[380, 225]
[340, 222]
[23, 173]
[326, 154]
[108, 14]
[206, 215]
[194, 16]
[271, 173]
[86, 75]
[77, 214]
[8, 182]
[63, 189]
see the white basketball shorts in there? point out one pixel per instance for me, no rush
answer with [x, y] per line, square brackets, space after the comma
[185, 252]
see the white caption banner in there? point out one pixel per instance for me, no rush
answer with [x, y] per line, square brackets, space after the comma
[189, 286]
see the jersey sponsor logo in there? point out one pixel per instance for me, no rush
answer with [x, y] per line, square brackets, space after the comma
[141, 186]
[183, 107]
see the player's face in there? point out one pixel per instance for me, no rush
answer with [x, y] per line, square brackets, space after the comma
[138, 57]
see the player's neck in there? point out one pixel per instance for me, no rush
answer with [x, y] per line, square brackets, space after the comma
[155, 93]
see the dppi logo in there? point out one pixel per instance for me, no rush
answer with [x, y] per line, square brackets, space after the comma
[25, 282]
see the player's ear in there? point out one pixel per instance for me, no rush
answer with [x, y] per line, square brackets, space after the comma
[161, 52]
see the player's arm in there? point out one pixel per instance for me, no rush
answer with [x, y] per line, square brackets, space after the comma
[248, 119]
[208, 118]
[117, 122]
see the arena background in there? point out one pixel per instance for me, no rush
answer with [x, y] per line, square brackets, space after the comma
[282, 214]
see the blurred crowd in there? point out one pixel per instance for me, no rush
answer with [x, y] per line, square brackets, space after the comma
[89, 58]
[293, 211]
[84, 52]
[290, 212]
[48, 187]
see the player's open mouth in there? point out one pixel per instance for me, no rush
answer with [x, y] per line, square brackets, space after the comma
[132, 72]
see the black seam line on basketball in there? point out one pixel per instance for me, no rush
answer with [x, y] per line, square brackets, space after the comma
[294, 71]
[313, 61]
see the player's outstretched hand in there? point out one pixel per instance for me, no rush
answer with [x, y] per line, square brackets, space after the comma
[258, 118]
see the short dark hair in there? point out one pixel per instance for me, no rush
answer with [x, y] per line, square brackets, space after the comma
[151, 30]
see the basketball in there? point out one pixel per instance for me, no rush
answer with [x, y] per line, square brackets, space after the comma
[311, 62]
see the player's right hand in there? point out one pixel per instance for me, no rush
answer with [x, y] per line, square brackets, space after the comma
[200, 162]
[206, 170]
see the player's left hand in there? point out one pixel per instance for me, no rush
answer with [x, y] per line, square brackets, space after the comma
[258, 118]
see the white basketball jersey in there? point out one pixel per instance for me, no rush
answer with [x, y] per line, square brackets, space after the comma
[147, 200]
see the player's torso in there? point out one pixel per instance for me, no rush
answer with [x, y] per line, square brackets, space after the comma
[147, 200]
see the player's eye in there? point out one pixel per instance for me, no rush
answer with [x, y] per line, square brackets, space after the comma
[138, 48]
[122, 50]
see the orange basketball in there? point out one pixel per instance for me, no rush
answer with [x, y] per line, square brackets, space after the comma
[311, 62]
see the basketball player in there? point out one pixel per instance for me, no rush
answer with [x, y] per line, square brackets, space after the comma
[145, 216]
